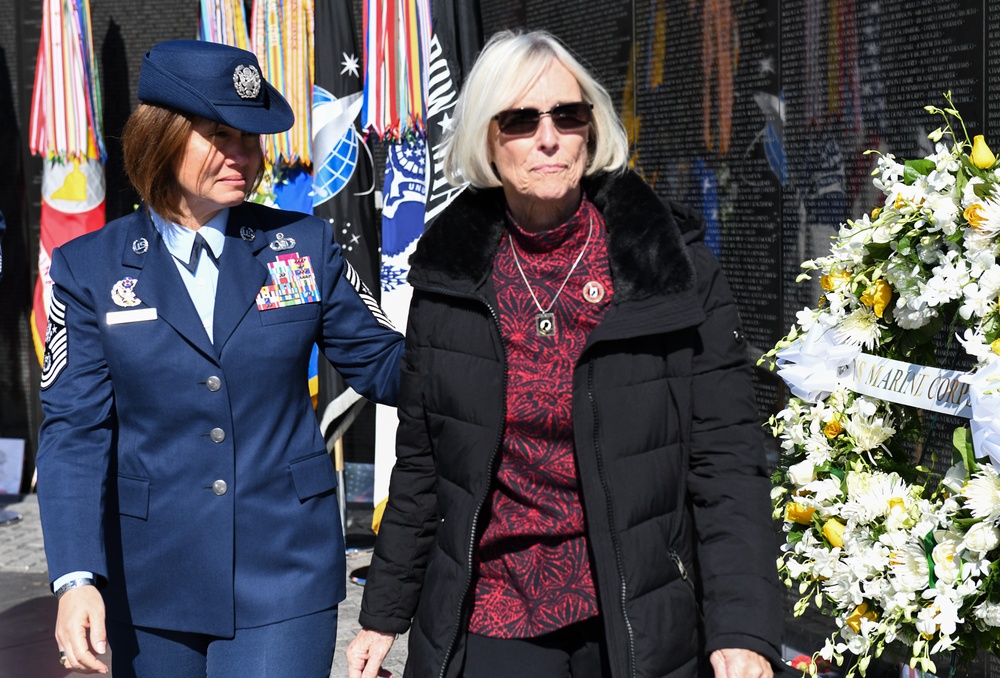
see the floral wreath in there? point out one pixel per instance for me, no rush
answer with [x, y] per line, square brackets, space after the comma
[897, 553]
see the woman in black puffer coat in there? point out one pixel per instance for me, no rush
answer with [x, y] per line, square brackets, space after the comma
[580, 479]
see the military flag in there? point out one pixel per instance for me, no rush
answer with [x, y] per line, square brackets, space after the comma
[343, 192]
[411, 108]
[65, 129]
[456, 39]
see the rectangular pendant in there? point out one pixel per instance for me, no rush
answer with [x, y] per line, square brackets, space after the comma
[545, 324]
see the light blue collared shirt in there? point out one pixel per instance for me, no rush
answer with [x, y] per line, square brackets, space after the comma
[202, 285]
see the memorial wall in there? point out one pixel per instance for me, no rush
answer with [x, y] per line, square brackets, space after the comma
[758, 113]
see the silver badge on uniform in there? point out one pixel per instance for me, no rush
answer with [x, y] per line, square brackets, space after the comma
[140, 246]
[282, 243]
[247, 233]
[246, 79]
[123, 293]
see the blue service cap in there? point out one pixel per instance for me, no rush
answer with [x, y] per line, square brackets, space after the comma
[217, 82]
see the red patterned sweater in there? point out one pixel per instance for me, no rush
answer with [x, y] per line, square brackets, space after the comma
[533, 572]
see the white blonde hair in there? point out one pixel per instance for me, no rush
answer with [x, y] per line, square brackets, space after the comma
[505, 70]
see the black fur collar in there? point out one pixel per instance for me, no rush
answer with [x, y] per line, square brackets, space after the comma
[646, 246]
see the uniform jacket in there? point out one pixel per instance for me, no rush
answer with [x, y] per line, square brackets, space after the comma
[672, 471]
[191, 476]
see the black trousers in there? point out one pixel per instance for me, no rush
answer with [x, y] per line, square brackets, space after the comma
[577, 651]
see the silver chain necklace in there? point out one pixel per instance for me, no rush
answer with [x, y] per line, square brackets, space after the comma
[545, 320]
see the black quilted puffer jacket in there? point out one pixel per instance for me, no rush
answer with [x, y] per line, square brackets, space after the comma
[672, 469]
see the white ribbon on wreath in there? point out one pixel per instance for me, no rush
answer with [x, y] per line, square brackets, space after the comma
[817, 364]
[813, 366]
[985, 424]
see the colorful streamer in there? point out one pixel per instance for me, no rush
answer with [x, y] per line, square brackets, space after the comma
[224, 22]
[397, 54]
[282, 38]
[66, 102]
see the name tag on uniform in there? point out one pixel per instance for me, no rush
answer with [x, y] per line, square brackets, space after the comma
[136, 315]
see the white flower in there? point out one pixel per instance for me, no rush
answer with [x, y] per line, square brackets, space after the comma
[946, 565]
[913, 316]
[889, 173]
[802, 473]
[941, 615]
[981, 537]
[944, 212]
[869, 432]
[982, 494]
[969, 192]
[860, 328]
[824, 493]
[947, 281]
[872, 495]
[806, 318]
[988, 612]
[954, 479]
[909, 569]
[975, 344]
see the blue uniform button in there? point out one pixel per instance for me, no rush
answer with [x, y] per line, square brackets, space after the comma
[217, 435]
[220, 487]
[213, 383]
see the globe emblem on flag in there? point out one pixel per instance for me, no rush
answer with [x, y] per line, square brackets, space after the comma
[335, 140]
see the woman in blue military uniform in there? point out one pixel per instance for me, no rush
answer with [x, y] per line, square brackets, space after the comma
[188, 503]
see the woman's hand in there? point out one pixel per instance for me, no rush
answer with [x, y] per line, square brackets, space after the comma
[366, 653]
[737, 663]
[80, 609]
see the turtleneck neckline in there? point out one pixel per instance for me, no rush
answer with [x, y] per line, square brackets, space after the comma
[573, 229]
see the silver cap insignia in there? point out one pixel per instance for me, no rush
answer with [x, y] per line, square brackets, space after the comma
[247, 81]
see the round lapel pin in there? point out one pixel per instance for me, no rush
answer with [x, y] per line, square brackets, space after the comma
[593, 292]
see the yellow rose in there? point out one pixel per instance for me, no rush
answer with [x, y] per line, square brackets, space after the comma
[833, 429]
[797, 513]
[829, 282]
[981, 156]
[875, 212]
[877, 297]
[860, 612]
[995, 346]
[974, 215]
[833, 530]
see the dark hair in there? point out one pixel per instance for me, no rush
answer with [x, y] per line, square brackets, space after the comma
[153, 142]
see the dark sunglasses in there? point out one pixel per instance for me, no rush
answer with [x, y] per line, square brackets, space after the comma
[517, 122]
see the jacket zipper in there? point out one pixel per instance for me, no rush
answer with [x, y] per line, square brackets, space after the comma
[493, 457]
[679, 562]
[680, 568]
[611, 522]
